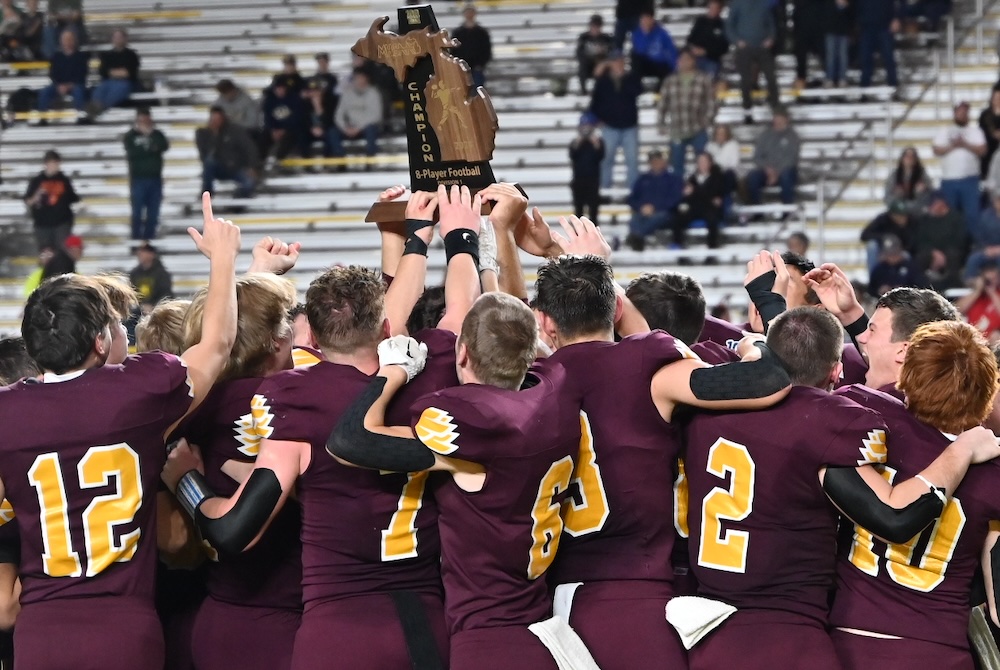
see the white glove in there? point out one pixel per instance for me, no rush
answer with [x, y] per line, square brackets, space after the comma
[405, 352]
[488, 247]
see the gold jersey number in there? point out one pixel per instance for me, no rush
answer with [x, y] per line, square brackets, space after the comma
[720, 549]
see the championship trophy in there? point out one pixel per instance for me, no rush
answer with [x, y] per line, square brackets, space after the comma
[450, 134]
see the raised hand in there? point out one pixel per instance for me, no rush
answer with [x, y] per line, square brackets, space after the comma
[835, 291]
[765, 262]
[421, 206]
[509, 205]
[459, 209]
[218, 236]
[181, 460]
[534, 236]
[274, 256]
[583, 238]
[392, 193]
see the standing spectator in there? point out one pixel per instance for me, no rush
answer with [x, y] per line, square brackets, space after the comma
[707, 39]
[63, 15]
[323, 73]
[63, 259]
[358, 115]
[615, 104]
[284, 118]
[989, 122]
[151, 280]
[839, 20]
[776, 157]
[702, 201]
[50, 198]
[476, 49]
[653, 200]
[627, 13]
[586, 152]
[940, 243]
[227, 153]
[909, 183]
[981, 307]
[798, 243]
[654, 53]
[119, 74]
[878, 21]
[750, 26]
[686, 110]
[809, 35]
[896, 221]
[144, 148]
[68, 72]
[895, 268]
[987, 240]
[725, 152]
[960, 147]
[592, 47]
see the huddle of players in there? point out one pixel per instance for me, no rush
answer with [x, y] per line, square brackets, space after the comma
[495, 486]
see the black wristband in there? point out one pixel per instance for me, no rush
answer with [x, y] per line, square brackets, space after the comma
[768, 303]
[858, 327]
[462, 241]
[413, 225]
[414, 245]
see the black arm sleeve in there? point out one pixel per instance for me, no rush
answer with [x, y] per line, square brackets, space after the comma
[849, 492]
[352, 442]
[233, 531]
[741, 381]
[995, 571]
[768, 303]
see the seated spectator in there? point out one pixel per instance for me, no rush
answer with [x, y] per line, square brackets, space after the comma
[321, 103]
[63, 258]
[475, 46]
[68, 72]
[707, 39]
[50, 198]
[798, 243]
[294, 81]
[725, 152]
[323, 74]
[894, 269]
[284, 116]
[653, 200]
[30, 34]
[10, 27]
[227, 153]
[653, 51]
[382, 78]
[239, 107]
[940, 243]
[627, 13]
[586, 153]
[703, 195]
[909, 183]
[63, 15]
[895, 221]
[119, 74]
[960, 146]
[987, 241]
[981, 307]
[358, 116]
[686, 110]
[930, 10]
[151, 280]
[776, 160]
[592, 47]
[989, 123]
[839, 21]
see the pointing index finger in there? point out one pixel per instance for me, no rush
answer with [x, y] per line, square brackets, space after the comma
[206, 207]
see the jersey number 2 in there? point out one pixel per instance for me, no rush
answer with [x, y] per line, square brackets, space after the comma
[727, 549]
[102, 518]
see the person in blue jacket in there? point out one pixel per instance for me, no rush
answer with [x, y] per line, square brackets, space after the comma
[654, 199]
[654, 53]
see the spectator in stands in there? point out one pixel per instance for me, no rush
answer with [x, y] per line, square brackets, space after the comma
[586, 153]
[382, 78]
[703, 194]
[750, 26]
[592, 47]
[627, 13]
[838, 18]
[10, 27]
[226, 153]
[987, 241]
[654, 53]
[294, 81]
[63, 258]
[30, 35]
[476, 49]
[776, 160]
[895, 221]
[809, 35]
[321, 103]
[981, 307]
[151, 280]
[358, 116]
[798, 243]
[239, 107]
[686, 110]
[144, 148]
[323, 74]
[615, 104]
[960, 147]
[119, 74]
[940, 243]
[725, 152]
[878, 21]
[63, 15]
[931, 10]
[909, 182]
[707, 39]
[894, 269]
[284, 117]
[653, 200]
[989, 122]
[68, 72]
[50, 198]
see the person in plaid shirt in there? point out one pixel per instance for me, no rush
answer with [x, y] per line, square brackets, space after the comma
[686, 110]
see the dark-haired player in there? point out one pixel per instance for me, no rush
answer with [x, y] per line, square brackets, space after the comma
[906, 605]
[763, 529]
[80, 463]
[15, 363]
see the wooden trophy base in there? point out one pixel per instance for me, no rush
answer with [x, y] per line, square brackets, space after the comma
[392, 212]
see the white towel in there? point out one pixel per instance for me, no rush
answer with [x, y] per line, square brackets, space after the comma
[562, 599]
[695, 617]
[566, 647]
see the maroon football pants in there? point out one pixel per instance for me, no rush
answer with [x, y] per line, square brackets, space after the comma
[229, 636]
[859, 652]
[502, 648]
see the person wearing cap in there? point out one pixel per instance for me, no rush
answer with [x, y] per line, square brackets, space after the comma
[940, 243]
[653, 200]
[960, 146]
[284, 118]
[151, 280]
[228, 153]
[615, 104]
[50, 198]
[144, 149]
[686, 110]
[475, 46]
[896, 221]
[586, 152]
[63, 259]
[776, 160]
[707, 39]
[323, 74]
[592, 47]
[986, 244]
[895, 268]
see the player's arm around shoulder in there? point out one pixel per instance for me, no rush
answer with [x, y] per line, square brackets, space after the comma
[991, 570]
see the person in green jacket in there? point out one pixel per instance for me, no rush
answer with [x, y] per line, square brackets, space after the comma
[144, 148]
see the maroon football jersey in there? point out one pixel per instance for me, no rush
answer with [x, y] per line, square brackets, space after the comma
[270, 573]
[890, 389]
[81, 464]
[497, 543]
[714, 353]
[362, 531]
[919, 589]
[619, 516]
[763, 532]
[855, 366]
[721, 332]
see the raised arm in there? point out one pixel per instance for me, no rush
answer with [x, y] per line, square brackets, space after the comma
[393, 233]
[766, 283]
[460, 230]
[838, 297]
[991, 570]
[274, 256]
[408, 282]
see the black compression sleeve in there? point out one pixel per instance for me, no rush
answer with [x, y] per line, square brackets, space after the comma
[232, 532]
[741, 381]
[849, 492]
[995, 571]
[768, 303]
[352, 442]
